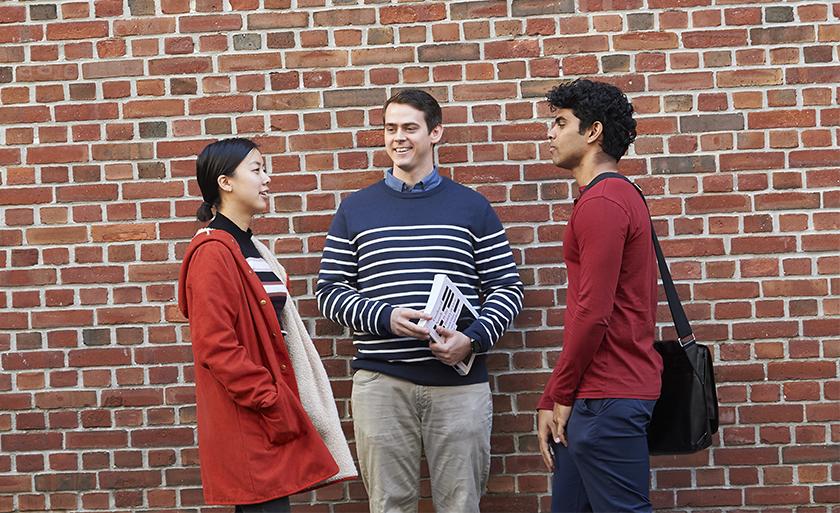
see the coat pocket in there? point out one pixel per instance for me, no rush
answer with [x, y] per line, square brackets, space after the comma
[281, 422]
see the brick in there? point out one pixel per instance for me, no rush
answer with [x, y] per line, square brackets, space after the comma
[344, 17]
[781, 119]
[69, 234]
[448, 52]
[64, 399]
[813, 158]
[11, 484]
[354, 98]
[144, 26]
[221, 104]
[128, 315]
[478, 10]
[497, 90]
[788, 200]
[782, 35]
[317, 59]
[46, 72]
[541, 7]
[511, 49]
[714, 38]
[153, 108]
[126, 479]
[99, 357]
[77, 30]
[86, 112]
[25, 195]
[228, 63]
[711, 123]
[165, 437]
[65, 482]
[31, 442]
[575, 45]
[23, 360]
[412, 13]
[680, 165]
[681, 81]
[209, 23]
[811, 75]
[519, 132]
[180, 65]
[709, 497]
[646, 41]
[382, 56]
[123, 151]
[278, 20]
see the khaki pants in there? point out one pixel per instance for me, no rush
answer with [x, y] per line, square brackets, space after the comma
[395, 419]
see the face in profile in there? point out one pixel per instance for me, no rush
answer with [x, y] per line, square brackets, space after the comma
[408, 141]
[247, 188]
[566, 144]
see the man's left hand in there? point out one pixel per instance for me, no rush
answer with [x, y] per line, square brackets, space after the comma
[561, 418]
[455, 347]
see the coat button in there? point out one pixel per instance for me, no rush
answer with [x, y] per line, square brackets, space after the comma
[262, 301]
[283, 367]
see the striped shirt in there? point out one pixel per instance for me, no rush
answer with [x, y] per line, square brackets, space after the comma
[382, 251]
[274, 286]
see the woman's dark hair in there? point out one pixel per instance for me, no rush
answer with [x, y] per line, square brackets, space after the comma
[217, 159]
[596, 101]
[420, 100]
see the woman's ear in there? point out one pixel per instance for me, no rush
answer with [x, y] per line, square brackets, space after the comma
[224, 183]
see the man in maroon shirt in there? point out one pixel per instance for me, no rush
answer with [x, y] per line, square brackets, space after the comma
[593, 416]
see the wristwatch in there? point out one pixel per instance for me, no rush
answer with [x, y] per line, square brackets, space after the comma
[475, 346]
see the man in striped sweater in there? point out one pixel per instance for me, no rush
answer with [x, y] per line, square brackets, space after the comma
[384, 247]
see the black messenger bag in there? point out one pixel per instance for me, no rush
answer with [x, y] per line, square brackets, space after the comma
[686, 415]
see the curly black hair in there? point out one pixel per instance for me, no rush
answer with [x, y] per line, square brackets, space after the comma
[592, 101]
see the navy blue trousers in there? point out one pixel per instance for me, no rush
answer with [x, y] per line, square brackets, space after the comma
[606, 467]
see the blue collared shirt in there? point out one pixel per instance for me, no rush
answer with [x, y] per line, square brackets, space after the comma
[429, 182]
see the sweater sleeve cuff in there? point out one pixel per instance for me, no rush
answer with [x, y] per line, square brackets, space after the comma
[563, 398]
[546, 403]
[475, 332]
[383, 323]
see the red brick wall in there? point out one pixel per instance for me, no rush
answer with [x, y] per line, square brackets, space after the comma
[105, 104]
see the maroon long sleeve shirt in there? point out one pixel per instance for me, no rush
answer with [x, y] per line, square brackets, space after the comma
[611, 301]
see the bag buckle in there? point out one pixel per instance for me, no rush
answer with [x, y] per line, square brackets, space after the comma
[688, 340]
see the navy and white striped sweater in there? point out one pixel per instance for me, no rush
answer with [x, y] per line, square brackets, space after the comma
[382, 251]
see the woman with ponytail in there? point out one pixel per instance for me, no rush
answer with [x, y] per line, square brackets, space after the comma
[267, 422]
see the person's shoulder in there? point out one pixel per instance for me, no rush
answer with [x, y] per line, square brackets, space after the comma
[465, 193]
[613, 187]
[214, 248]
[614, 190]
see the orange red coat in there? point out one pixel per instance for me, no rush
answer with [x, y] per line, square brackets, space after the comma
[255, 440]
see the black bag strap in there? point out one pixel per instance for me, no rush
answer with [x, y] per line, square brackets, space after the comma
[685, 336]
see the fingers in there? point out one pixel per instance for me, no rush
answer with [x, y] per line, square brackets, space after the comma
[544, 427]
[409, 329]
[560, 432]
[410, 313]
[545, 452]
[442, 353]
[401, 323]
[444, 332]
[554, 433]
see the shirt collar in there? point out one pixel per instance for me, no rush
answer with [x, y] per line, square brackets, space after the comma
[429, 182]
